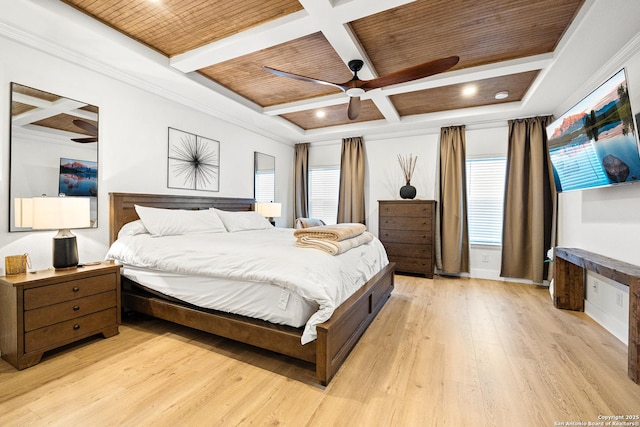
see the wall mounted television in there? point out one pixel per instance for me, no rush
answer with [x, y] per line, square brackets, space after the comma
[595, 143]
[78, 177]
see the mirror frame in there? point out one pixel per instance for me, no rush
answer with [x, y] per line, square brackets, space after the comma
[45, 122]
[259, 160]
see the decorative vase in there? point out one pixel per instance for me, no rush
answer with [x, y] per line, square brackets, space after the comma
[408, 191]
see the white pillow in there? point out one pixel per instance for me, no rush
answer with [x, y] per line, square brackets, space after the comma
[242, 221]
[171, 222]
[132, 228]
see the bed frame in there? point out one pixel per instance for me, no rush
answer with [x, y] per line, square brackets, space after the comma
[336, 337]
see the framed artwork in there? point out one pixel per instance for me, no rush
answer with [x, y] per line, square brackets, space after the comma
[193, 162]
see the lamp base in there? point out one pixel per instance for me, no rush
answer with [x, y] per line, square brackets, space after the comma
[65, 250]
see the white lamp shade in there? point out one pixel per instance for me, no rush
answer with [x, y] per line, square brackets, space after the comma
[50, 213]
[23, 215]
[269, 210]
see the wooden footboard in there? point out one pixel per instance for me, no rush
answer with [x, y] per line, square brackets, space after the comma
[336, 337]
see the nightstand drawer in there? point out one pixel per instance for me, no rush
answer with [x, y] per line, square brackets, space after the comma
[52, 314]
[61, 333]
[73, 289]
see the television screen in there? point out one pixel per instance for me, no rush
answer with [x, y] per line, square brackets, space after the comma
[78, 178]
[595, 143]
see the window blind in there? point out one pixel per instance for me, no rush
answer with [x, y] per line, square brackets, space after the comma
[485, 199]
[265, 185]
[324, 184]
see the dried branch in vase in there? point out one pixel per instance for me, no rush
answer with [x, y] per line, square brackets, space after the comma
[408, 165]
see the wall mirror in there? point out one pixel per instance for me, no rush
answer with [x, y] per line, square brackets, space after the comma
[54, 148]
[264, 177]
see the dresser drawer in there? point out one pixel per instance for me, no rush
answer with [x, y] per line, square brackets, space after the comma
[405, 236]
[404, 223]
[409, 250]
[49, 315]
[73, 289]
[60, 333]
[413, 265]
[415, 210]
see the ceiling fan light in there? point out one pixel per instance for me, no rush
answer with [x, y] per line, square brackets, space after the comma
[355, 91]
[502, 94]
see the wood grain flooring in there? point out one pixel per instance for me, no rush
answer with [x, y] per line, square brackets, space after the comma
[443, 352]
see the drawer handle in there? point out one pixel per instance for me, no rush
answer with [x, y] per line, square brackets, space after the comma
[76, 307]
[76, 327]
[75, 289]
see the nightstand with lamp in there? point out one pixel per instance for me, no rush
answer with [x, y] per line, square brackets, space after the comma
[50, 308]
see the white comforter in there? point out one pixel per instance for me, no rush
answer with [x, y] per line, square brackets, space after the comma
[269, 256]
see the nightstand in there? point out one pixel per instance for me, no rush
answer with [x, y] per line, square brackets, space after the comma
[46, 309]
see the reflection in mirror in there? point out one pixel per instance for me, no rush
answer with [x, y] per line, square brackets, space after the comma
[264, 169]
[54, 148]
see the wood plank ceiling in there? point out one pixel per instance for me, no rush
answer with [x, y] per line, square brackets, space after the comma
[501, 45]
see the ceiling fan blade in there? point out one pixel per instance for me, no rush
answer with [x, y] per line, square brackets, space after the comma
[86, 126]
[354, 108]
[84, 140]
[413, 73]
[302, 78]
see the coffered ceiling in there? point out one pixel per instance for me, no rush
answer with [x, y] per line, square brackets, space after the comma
[502, 45]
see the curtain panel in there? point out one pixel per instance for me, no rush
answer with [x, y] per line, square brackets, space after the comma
[528, 201]
[452, 211]
[351, 196]
[301, 181]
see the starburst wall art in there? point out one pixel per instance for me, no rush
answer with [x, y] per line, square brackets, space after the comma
[194, 162]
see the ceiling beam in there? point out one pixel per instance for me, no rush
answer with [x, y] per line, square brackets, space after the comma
[60, 106]
[319, 15]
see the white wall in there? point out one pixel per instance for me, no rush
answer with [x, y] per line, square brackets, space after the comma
[132, 147]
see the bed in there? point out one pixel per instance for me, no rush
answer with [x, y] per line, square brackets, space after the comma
[336, 337]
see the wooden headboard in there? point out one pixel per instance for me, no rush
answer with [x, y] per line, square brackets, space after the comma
[122, 210]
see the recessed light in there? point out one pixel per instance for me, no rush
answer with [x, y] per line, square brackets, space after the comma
[469, 90]
[320, 114]
[502, 94]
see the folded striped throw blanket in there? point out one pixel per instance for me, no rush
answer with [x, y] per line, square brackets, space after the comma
[334, 233]
[335, 247]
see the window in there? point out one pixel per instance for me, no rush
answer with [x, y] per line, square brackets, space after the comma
[324, 184]
[485, 199]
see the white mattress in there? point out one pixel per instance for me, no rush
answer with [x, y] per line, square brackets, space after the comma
[253, 299]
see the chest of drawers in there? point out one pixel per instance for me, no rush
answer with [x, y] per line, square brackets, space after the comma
[406, 229]
[47, 309]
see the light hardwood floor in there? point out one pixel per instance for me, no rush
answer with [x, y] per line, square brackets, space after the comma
[454, 352]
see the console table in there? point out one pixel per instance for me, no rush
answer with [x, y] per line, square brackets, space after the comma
[571, 265]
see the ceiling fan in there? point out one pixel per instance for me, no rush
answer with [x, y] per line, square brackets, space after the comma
[356, 87]
[89, 128]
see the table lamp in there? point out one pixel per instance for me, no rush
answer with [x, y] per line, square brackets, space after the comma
[269, 211]
[62, 213]
[23, 212]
